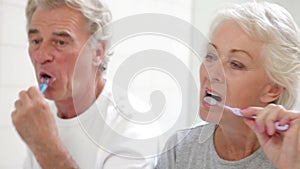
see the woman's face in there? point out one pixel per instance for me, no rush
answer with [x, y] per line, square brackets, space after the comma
[239, 80]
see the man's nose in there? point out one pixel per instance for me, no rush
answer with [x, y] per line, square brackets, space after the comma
[45, 53]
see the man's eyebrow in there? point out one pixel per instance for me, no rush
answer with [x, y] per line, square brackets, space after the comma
[33, 31]
[62, 34]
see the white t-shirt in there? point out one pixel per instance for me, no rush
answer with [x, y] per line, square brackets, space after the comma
[104, 138]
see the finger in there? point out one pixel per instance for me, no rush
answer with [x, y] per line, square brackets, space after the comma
[262, 117]
[24, 97]
[279, 115]
[290, 115]
[18, 104]
[254, 112]
[14, 117]
[34, 93]
[13, 114]
[291, 140]
[271, 115]
[284, 120]
[251, 111]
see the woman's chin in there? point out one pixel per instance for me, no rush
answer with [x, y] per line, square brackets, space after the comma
[209, 116]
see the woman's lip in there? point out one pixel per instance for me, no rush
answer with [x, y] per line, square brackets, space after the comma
[211, 90]
[206, 105]
[206, 89]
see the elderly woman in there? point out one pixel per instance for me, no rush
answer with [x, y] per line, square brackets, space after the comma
[253, 63]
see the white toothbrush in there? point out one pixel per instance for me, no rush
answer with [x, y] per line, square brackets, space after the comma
[237, 112]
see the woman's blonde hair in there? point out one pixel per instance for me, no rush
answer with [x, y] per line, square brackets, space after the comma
[275, 27]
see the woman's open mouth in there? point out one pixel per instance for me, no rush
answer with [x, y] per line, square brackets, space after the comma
[211, 98]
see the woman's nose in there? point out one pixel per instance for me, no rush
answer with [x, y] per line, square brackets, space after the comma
[215, 71]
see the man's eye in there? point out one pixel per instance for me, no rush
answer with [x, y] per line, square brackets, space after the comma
[59, 42]
[35, 41]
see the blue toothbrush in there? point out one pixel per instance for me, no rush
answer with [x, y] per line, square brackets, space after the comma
[44, 84]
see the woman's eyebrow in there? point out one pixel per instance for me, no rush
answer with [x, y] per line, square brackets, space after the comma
[235, 51]
[242, 51]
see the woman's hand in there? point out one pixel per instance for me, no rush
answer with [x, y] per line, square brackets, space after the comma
[281, 147]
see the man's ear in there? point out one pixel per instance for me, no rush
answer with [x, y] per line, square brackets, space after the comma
[100, 52]
[271, 93]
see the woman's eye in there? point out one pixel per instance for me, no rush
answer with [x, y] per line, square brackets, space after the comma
[210, 58]
[236, 65]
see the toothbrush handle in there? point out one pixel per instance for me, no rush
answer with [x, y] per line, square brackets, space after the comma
[237, 112]
[43, 87]
[281, 127]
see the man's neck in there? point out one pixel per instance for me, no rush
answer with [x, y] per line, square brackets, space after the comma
[77, 105]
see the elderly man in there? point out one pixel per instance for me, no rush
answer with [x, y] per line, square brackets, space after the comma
[70, 63]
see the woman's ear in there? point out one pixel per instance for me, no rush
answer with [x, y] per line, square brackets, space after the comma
[271, 93]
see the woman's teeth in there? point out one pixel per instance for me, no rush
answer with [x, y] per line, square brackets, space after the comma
[213, 95]
[212, 98]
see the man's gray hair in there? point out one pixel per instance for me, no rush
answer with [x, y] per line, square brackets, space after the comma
[96, 12]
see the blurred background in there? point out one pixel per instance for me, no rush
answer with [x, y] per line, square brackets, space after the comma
[16, 71]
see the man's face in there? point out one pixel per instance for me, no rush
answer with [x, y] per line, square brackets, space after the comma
[56, 38]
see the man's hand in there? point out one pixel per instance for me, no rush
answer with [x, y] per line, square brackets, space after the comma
[32, 118]
[35, 124]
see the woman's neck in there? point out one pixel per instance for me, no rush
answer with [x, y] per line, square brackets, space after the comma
[233, 143]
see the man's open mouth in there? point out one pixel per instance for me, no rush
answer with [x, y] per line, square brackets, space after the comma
[46, 77]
